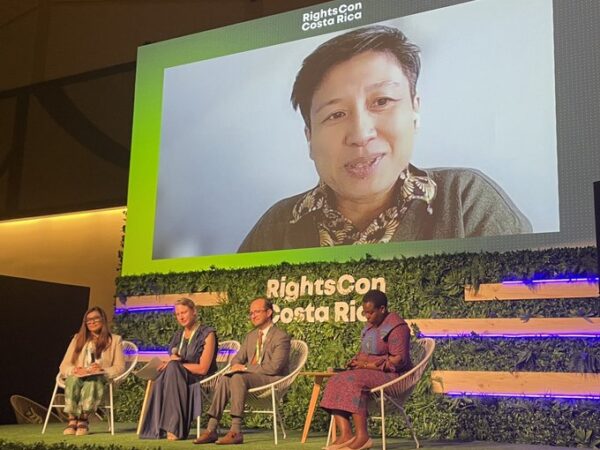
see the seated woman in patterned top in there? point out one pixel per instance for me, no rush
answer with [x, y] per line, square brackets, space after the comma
[384, 355]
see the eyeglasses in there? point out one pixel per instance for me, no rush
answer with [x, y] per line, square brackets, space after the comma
[95, 320]
[255, 312]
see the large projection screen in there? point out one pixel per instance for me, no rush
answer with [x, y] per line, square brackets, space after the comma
[216, 142]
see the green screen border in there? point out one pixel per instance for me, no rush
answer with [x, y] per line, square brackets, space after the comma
[155, 58]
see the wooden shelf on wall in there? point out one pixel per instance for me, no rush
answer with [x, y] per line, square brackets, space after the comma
[577, 326]
[534, 291]
[516, 383]
[159, 301]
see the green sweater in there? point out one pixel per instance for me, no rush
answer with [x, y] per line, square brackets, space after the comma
[467, 204]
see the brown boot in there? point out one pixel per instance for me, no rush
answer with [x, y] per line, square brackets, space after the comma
[208, 437]
[231, 438]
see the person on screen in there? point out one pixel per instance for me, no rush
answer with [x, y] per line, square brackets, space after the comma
[384, 355]
[357, 94]
[263, 359]
[173, 402]
[93, 356]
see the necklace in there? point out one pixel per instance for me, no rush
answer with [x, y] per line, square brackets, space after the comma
[189, 339]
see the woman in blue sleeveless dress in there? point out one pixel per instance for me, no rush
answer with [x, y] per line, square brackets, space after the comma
[175, 399]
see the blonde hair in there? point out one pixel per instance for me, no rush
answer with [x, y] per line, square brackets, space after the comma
[184, 301]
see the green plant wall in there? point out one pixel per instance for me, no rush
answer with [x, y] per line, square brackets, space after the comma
[421, 287]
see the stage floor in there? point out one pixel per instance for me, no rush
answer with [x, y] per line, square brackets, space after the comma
[253, 440]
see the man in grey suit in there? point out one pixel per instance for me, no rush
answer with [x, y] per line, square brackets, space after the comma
[262, 359]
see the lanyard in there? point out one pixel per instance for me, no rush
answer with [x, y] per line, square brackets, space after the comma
[189, 339]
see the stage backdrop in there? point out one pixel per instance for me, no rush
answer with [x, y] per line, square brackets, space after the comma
[429, 287]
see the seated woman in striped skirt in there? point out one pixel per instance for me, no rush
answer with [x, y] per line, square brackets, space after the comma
[94, 356]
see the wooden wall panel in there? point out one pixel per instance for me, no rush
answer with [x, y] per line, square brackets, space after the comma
[157, 301]
[577, 326]
[517, 383]
[535, 291]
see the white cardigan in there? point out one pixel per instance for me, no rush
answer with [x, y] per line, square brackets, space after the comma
[112, 360]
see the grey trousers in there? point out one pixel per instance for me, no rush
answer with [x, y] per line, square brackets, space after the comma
[235, 388]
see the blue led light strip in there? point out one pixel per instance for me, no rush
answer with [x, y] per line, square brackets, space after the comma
[509, 395]
[144, 309]
[501, 335]
[223, 351]
[555, 280]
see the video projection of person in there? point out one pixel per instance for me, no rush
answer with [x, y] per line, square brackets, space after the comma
[242, 171]
[358, 97]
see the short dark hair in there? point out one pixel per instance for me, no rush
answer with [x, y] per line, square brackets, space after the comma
[375, 297]
[341, 48]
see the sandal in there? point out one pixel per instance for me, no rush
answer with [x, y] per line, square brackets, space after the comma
[71, 428]
[82, 428]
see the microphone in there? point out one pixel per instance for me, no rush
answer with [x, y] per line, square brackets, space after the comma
[92, 355]
[174, 351]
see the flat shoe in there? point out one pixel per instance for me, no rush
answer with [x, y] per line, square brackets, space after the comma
[365, 446]
[231, 438]
[208, 437]
[339, 446]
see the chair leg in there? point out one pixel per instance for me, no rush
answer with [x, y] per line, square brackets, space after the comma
[281, 424]
[382, 402]
[274, 406]
[409, 425]
[144, 405]
[112, 410]
[330, 431]
[197, 427]
[50, 408]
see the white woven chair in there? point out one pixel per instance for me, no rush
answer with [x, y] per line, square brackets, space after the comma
[265, 399]
[131, 356]
[227, 350]
[399, 389]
